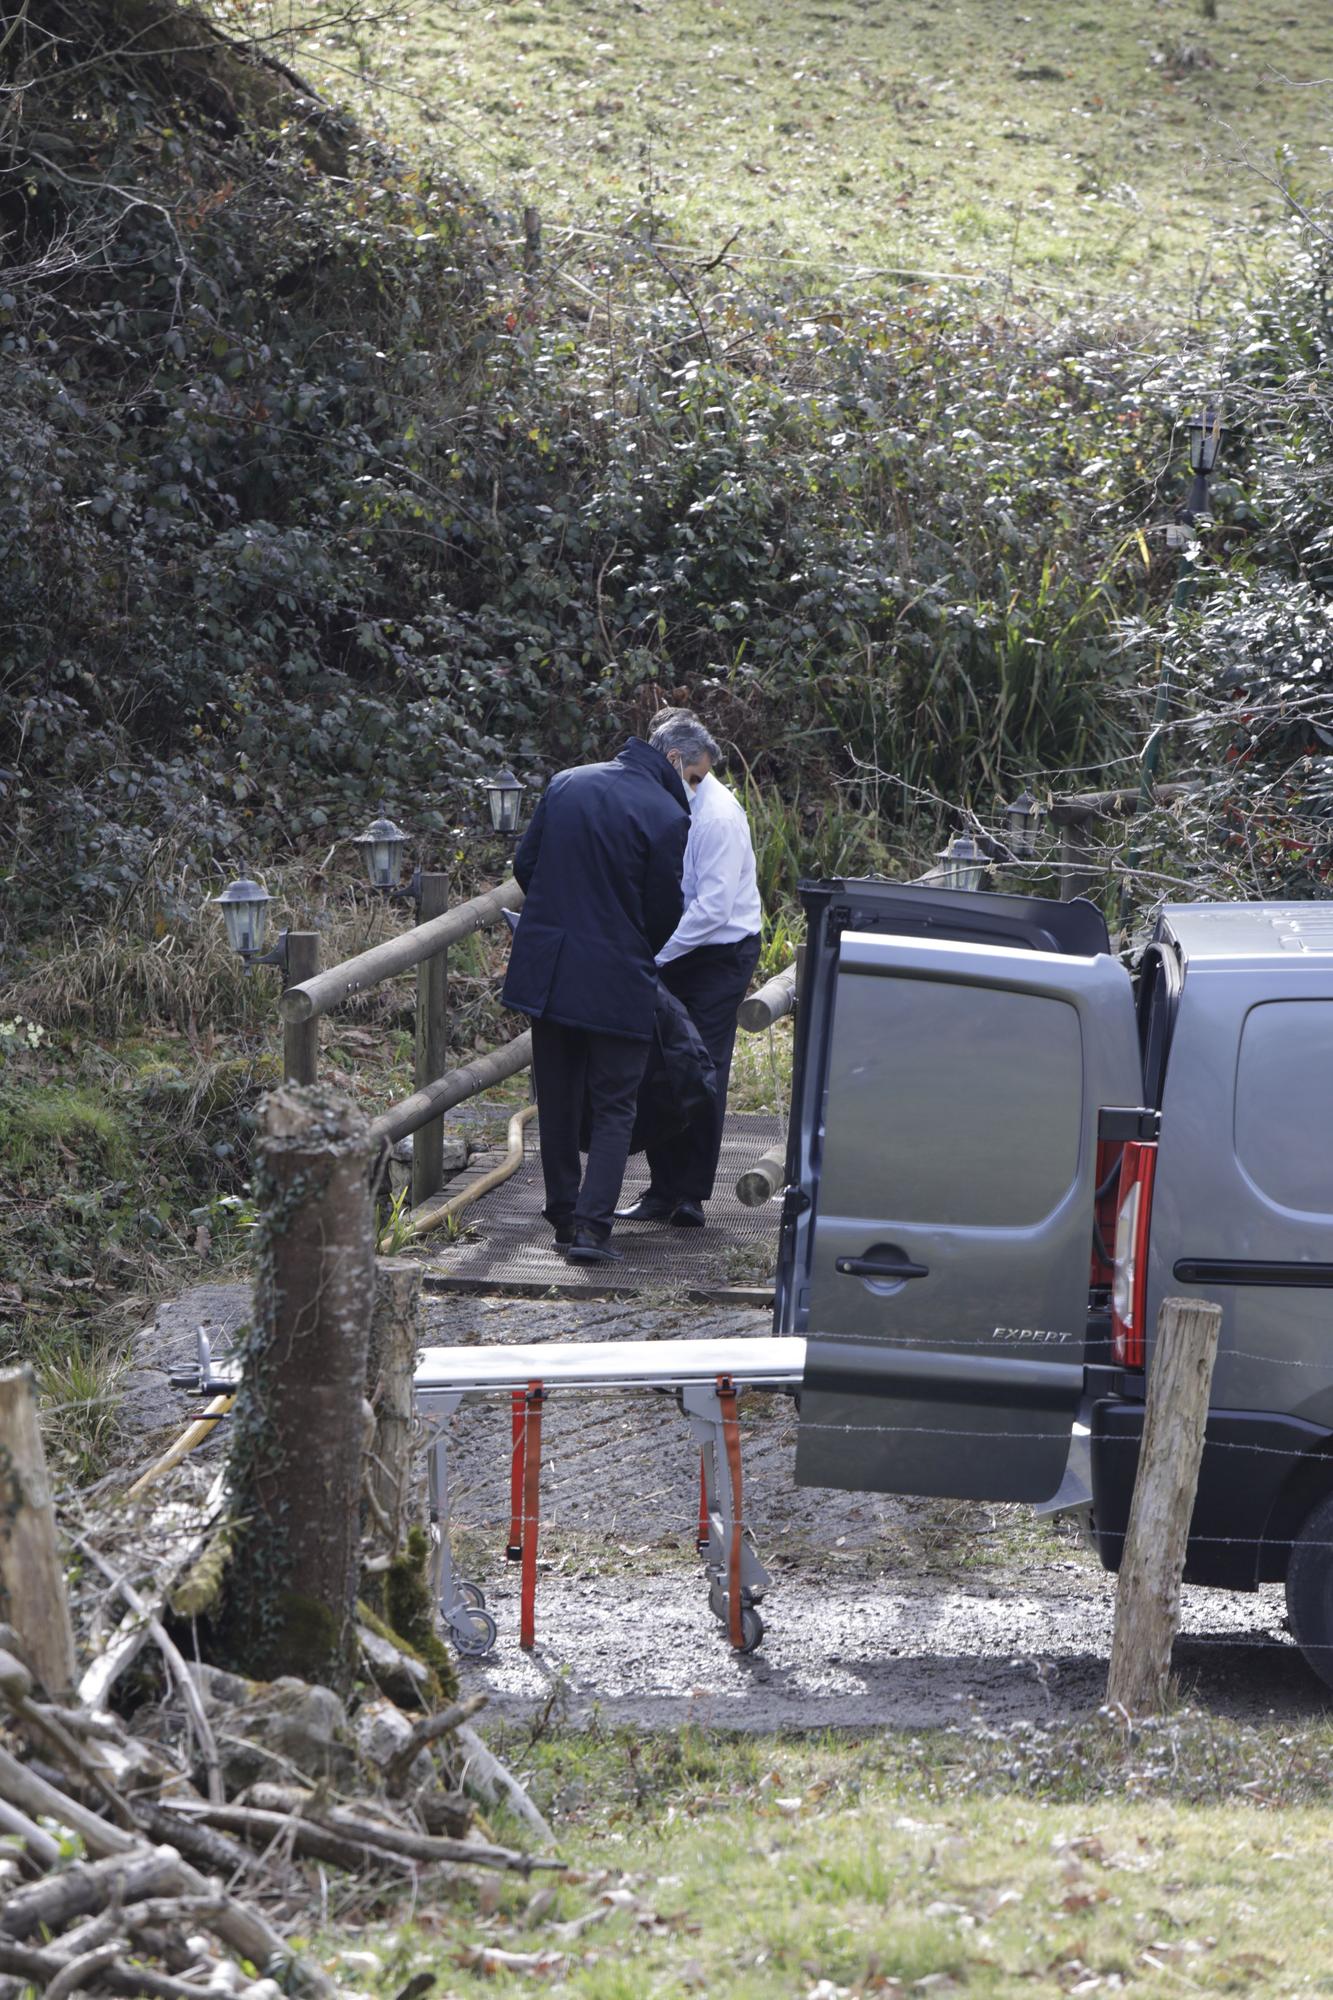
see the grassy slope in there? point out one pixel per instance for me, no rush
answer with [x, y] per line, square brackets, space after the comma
[1076, 142]
[1035, 1864]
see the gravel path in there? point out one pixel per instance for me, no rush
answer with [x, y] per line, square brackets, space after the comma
[882, 1610]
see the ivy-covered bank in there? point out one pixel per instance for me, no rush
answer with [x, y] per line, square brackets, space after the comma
[315, 502]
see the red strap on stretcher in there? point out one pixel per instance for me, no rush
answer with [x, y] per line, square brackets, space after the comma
[532, 1470]
[731, 1438]
[705, 1526]
[514, 1551]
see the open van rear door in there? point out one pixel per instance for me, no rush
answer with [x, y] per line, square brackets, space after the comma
[938, 1223]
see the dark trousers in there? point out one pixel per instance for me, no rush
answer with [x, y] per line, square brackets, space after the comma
[570, 1065]
[711, 981]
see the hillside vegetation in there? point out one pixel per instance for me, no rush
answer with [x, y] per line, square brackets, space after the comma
[323, 496]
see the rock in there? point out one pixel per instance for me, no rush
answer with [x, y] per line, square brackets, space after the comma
[268, 1729]
[380, 1730]
[394, 1672]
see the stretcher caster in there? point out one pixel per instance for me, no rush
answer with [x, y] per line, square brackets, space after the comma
[472, 1595]
[752, 1630]
[473, 1633]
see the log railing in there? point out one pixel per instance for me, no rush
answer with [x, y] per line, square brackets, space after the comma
[313, 993]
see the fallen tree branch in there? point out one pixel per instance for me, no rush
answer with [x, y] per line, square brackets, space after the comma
[174, 1661]
[368, 1837]
[494, 1784]
[241, 1928]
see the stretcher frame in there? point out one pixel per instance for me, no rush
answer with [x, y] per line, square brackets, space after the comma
[705, 1376]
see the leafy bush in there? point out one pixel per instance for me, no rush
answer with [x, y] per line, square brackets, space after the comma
[314, 504]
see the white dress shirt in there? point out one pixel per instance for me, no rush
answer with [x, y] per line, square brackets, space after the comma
[721, 894]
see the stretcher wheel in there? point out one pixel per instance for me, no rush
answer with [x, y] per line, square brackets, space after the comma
[472, 1595]
[752, 1630]
[473, 1640]
[717, 1601]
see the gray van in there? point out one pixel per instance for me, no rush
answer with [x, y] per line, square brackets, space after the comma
[1006, 1150]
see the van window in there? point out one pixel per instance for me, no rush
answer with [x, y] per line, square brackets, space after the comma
[1284, 1103]
[951, 1104]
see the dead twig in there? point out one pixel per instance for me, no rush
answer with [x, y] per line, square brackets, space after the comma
[428, 1730]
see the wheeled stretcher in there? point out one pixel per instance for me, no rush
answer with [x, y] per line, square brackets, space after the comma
[706, 1378]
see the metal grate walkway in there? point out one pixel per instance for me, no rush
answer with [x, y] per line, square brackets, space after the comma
[506, 1245]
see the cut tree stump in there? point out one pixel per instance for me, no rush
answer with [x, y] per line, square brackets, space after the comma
[32, 1574]
[1147, 1606]
[395, 1336]
[299, 1434]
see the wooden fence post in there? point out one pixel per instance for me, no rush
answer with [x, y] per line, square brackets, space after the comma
[432, 1044]
[300, 1039]
[1147, 1604]
[32, 1575]
[300, 1422]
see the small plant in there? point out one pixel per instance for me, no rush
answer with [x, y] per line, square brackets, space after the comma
[393, 1226]
[18, 1035]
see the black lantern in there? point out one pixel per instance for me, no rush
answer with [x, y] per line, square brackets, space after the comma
[245, 912]
[1205, 435]
[1024, 820]
[504, 795]
[962, 863]
[382, 846]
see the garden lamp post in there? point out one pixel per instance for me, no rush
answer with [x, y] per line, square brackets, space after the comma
[1024, 820]
[504, 797]
[244, 905]
[962, 863]
[382, 846]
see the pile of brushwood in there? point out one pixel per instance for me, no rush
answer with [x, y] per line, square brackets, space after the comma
[168, 1825]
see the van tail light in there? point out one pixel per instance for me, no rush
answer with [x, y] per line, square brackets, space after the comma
[1129, 1280]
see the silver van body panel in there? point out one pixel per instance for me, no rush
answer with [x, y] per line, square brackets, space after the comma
[955, 1139]
[1245, 1159]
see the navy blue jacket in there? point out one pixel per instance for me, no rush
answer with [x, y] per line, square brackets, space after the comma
[600, 870]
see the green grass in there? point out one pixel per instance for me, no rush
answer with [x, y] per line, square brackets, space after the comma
[1089, 147]
[1033, 1861]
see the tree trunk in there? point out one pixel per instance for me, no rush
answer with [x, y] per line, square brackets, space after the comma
[300, 1423]
[390, 1370]
[32, 1575]
[1147, 1605]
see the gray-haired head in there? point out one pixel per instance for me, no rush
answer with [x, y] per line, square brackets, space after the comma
[679, 730]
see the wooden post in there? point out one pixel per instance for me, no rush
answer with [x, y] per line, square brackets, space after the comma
[432, 1045]
[390, 1369]
[1077, 877]
[32, 1575]
[1147, 1603]
[299, 1434]
[300, 1039]
[761, 1182]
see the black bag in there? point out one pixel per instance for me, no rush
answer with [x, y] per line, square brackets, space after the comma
[679, 1081]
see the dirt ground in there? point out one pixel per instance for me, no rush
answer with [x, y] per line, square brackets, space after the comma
[882, 1611]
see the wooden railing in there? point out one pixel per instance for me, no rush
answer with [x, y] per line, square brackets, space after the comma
[313, 993]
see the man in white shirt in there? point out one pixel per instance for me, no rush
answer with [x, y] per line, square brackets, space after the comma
[707, 962]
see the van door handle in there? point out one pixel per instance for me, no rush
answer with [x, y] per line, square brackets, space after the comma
[879, 1267]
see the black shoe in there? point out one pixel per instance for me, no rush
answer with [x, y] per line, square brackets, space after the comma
[586, 1248]
[564, 1234]
[688, 1215]
[649, 1207]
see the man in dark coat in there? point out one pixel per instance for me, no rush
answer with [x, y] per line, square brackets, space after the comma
[600, 868]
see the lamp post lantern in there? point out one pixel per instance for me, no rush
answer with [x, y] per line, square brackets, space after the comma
[1024, 820]
[504, 797]
[244, 906]
[962, 863]
[1205, 436]
[382, 846]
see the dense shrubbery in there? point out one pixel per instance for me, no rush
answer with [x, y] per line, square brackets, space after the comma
[313, 502]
